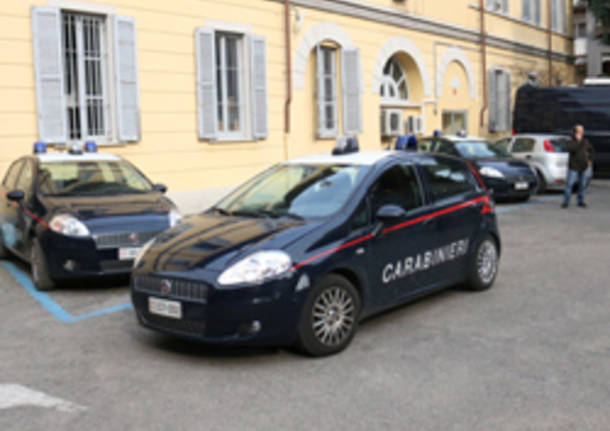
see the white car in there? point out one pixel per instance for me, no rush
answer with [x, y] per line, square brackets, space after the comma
[546, 154]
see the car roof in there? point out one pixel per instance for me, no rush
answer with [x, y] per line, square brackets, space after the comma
[541, 135]
[84, 157]
[362, 158]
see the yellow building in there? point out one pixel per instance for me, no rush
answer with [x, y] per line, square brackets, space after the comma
[196, 92]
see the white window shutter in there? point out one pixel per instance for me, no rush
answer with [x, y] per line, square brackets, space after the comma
[537, 11]
[507, 102]
[320, 91]
[206, 82]
[505, 6]
[258, 73]
[492, 101]
[126, 79]
[49, 75]
[352, 84]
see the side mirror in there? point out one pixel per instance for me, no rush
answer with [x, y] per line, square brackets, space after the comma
[15, 195]
[390, 212]
[160, 188]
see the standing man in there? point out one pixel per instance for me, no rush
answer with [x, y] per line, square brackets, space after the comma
[581, 158]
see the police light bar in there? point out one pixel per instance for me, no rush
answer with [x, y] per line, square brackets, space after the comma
[40, 147]
[346, 145]
[90, 147]
[75, 148]
[406, 143]
[437, 133]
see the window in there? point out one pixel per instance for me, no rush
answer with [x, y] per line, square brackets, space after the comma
[581, 29]
[10, 179]
[360, 218]
[26, 180]
[558, 15]
[326, 58]
[394, 85]
[454, 122]
[503, 144]
[78, 96]
[497, 5]
[499, 100]
[447, 178]
[446, 147]
[231, 85]
[229, 81]
[530, 11]
[398, 185]
[523, 145]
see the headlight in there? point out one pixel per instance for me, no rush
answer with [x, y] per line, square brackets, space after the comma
[256, 268]
[142, 252]
[66, 224]
[174, 218]
[490, 172]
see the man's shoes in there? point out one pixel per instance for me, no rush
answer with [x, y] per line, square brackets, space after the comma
[582, 205]
[564, 205]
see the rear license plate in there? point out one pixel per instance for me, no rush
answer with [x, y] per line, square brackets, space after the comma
[128, 253]
[163, 307]
[522, 185]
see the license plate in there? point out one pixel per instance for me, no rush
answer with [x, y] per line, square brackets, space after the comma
[128, 253]
[522, 185]
[163, 307]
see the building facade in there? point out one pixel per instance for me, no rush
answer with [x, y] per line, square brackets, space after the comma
[205, 93]
[592, 56]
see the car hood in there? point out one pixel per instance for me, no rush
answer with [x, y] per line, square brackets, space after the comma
[90, 207]
[216, 241]
[504, 165]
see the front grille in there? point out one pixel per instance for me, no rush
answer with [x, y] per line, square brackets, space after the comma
[188, 327]
[173, 288]
[124, 239]
[116, 265]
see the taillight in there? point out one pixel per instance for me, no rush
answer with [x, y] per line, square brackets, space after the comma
[514, 132]
[548, 147]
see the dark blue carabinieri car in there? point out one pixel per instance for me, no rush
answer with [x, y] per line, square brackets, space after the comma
[79, 214]
[308, 248]
[507, 176]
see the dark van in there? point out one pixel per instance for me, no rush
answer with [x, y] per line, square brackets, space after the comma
[555, 110]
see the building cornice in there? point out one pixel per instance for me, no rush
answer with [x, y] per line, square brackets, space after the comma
[387, 15]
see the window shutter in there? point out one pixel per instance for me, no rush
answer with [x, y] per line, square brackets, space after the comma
[553, 14]
[505, 6]
[536, 11]
[352, 84]
[525, 10]
[206, 82]
[49, 74]
[320, 91]
[506, 101]
[126, 76]
[562, 16]
[492, 101]
[258, 71]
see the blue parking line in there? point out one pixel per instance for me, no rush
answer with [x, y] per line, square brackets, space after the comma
[49, 304]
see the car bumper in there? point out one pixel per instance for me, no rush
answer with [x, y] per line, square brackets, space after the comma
[260, 315]
[506, 188]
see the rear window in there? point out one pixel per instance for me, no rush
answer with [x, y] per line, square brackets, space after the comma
[560, 145]
[523, 145]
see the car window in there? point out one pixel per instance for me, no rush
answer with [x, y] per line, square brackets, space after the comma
[447, 178]
[360, 218]
[10, 179]
[398, 185]
[560, 145]
[426, 145]
[306, 190]
[503, 144]
[26, 179]
[91, 177]
[523, 145]
[479, 149]
[446, 147]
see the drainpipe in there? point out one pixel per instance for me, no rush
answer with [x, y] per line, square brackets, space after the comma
[288, 67]
[549, 35]
[483, 60]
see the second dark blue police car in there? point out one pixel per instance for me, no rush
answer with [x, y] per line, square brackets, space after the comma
[301, 253]
[79, 213]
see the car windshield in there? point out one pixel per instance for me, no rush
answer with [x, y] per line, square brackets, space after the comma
[480, 149]
[295, 190]
[83, 178]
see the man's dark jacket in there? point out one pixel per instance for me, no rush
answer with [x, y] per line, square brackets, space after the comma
[581, 153]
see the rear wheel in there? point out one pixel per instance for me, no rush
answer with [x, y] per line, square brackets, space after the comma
[330, 317]
[484, 266]
[40, 273]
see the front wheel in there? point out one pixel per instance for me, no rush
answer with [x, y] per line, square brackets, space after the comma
[40, 273]
[484, 267]
[330, 317]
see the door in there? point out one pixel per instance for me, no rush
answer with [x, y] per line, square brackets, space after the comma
[24, 220]
[450, 185]
[395, 247]
[9, 209]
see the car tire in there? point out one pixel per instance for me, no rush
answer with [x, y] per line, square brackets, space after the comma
[484, 265]
[40, 272]
[541, 183]
[330, 317]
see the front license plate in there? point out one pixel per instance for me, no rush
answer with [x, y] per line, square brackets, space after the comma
[128, 253]
[163, 307]
[522, 185]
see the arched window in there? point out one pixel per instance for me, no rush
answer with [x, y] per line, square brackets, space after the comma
[394, 85]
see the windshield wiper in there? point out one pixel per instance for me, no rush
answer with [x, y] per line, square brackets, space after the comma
[276, 214]
[221, 211]
[249, 213]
